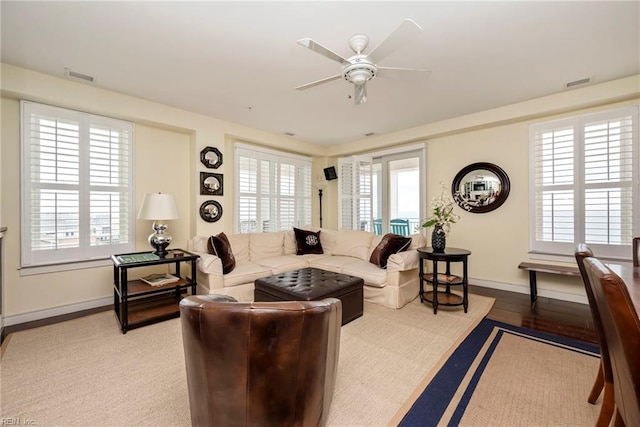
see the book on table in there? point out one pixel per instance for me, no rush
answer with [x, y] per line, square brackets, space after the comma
[159, 279]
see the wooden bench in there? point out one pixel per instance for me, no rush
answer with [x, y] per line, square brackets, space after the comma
[533, 268]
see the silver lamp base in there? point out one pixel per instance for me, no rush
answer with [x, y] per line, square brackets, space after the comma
[159, 239]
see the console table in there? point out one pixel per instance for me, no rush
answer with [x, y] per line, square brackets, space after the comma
[137, 303]
[437, 297]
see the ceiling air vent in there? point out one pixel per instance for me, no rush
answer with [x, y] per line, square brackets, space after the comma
[578, 82]
[73, 74]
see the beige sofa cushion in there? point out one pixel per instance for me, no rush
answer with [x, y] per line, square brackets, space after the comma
[333, 263]
[353, 243]
[417, 241]
[328, 240]
[245, 272]
[370, 273]
[198, 244]
[265, 245]
[239, 246]
[282, 263]
[290, 243]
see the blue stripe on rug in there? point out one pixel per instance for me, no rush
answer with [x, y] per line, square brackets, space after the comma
[429, 407]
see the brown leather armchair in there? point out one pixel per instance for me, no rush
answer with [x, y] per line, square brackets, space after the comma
[261, 363]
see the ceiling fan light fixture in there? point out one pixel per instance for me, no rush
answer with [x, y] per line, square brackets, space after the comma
[359, 73]
[359, 77]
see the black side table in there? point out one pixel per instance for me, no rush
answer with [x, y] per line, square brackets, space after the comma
[437, 297]
[137, 303]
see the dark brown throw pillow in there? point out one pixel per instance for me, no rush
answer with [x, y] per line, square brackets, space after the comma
[390, 244]
[219, 246]
[307, 242]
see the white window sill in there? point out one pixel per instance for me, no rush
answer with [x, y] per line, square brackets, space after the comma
[54, 268]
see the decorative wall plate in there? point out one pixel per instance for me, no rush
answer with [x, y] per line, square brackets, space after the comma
[211, 184]
[211, 157]
[210, 211]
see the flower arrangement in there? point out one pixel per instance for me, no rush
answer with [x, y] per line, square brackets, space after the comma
[442, 208]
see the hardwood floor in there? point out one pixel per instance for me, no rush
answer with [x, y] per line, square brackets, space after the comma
[568, 319]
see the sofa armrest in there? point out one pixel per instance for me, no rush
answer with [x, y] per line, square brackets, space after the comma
[403, 261]
[209, 264]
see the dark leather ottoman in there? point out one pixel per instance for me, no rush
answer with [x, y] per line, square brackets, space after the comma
[311, 284]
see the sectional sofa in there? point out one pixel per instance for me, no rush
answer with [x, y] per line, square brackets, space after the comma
[346, 251]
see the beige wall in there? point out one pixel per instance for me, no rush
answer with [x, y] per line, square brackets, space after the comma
[173, 138]
[499, 239]
[167, 146]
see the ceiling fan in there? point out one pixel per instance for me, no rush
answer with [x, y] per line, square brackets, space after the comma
[360, 68]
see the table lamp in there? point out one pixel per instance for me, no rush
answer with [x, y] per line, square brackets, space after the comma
[158, 208]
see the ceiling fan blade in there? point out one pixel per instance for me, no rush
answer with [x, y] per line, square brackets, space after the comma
[360, 94]
[401, 35]
[319, 82]
[318, 48]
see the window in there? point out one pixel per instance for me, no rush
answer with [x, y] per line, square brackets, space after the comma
[379, 187]
[356, 193]
[273, 190]
[76, 194]
[584, 183]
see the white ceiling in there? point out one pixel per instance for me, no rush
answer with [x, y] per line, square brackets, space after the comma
[239, 61]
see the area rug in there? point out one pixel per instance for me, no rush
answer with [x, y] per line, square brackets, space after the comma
[85, 372]
[502, 375]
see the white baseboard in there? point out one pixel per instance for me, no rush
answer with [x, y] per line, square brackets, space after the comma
[56, 311]
[524, 289]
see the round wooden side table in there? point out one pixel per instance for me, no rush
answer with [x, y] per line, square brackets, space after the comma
[444, 297]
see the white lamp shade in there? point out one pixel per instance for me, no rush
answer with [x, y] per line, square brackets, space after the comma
[157, 207]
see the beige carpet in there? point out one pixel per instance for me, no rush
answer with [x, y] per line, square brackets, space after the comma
[84, 372]
[540, 393]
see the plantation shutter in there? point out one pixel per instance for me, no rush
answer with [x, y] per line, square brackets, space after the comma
[76, 198]
[355, 181]
[274, 190]
[583, 174]
[554, 187]
[608, 180]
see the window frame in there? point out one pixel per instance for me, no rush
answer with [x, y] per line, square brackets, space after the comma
[579, 184]
[84, 255]
[302, 198]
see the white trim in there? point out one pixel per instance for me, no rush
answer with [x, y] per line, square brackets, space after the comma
[18, 319]
[54, 268]
[524, 289]
[278, 153]
[397, 150]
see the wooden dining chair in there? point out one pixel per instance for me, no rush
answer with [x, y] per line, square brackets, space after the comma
[636, 251]
[604, 378]
[621, 327]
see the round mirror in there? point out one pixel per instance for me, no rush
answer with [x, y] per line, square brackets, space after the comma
[212, 183]
[211, 211]
[211, 157]
[480, 187]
